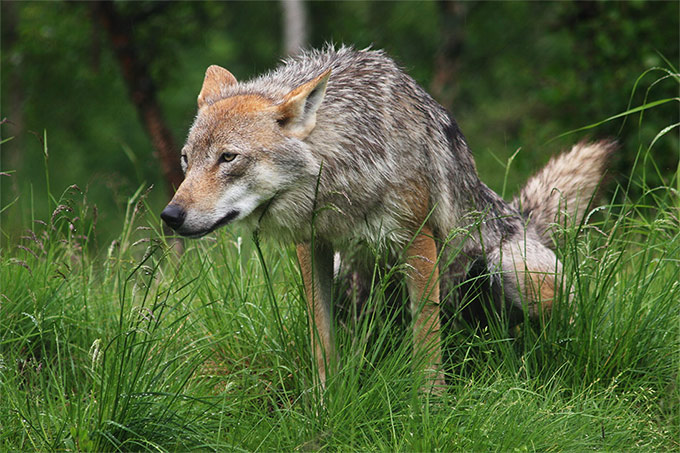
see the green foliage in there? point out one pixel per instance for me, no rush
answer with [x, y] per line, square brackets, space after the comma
[544, 68]
[524, 73]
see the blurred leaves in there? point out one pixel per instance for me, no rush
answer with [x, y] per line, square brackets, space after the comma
[517, 75]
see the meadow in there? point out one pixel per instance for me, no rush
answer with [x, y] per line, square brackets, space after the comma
[140, 345]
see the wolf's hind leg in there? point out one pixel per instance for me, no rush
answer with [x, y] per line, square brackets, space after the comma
[423, 287]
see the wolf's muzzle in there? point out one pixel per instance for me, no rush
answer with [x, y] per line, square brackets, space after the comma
[174, 216]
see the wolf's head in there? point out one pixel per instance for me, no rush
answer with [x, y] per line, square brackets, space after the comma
[243, 149]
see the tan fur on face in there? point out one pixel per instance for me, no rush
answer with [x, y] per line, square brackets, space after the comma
[242, 123]
[198, 192]
[249, 119]
[241, 105]
[202, 186]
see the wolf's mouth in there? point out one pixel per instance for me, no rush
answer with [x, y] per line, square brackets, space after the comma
[231, 215]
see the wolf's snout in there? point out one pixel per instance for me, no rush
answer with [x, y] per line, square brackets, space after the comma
[173, 215]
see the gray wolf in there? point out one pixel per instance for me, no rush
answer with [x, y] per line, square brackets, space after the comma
[338, 147]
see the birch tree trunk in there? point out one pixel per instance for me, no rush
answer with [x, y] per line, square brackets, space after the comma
[294, 26]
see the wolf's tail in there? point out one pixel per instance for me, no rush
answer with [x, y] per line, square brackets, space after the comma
[564, 189]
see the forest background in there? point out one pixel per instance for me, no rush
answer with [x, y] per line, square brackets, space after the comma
[111, 87]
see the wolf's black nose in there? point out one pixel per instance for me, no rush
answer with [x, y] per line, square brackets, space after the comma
[174, 215]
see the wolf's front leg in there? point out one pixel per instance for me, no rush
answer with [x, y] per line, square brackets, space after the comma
[423, 288]
[316, 264]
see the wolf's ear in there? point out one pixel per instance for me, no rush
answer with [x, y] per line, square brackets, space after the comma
[298, 109]
[216, 78]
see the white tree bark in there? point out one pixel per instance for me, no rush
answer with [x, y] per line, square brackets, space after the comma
[294, 26]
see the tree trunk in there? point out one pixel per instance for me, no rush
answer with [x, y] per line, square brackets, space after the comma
[294, 26]
[142, 91]
[452, 14]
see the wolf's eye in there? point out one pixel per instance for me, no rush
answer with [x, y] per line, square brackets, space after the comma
[185, 162]
[227, 157]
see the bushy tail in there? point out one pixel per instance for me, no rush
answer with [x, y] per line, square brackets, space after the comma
[563, 190]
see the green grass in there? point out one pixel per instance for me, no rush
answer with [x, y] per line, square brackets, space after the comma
[131, 346]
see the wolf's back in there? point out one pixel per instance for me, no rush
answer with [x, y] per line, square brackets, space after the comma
[562, 191]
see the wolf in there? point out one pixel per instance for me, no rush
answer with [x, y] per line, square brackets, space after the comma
[339, 150]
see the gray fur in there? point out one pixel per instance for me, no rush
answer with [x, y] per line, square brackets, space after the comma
[376, 131]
